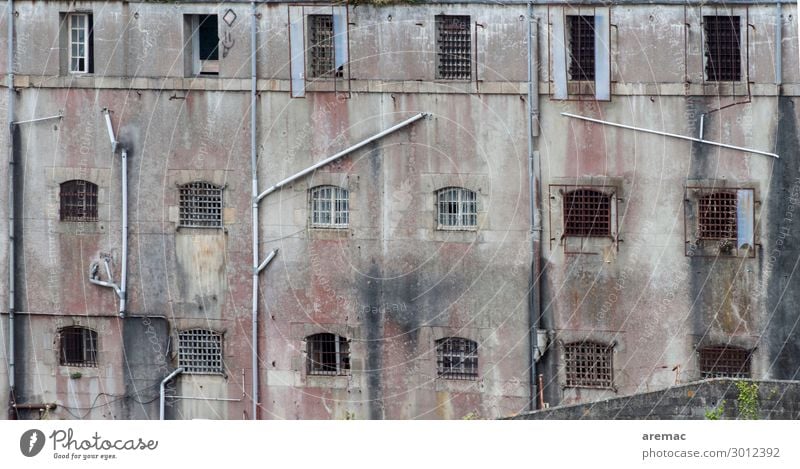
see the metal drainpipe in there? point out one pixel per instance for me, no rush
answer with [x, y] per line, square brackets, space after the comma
[11, 242]
[162, 392]
[534, 290]
[254, 201]
[123, 283]
[778, 46]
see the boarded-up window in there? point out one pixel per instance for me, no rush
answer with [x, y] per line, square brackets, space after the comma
[724, 362]
[589, 364]
[722, 48]
[200, 205]
[587, 212]
[78, 200]
[453, 47]
[328, 354]
[78, 346]
[200, 351]
[457, 358]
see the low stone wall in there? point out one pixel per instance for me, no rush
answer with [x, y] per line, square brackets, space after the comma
[776, 400]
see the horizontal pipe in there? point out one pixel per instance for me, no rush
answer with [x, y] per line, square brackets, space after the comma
[267, 260]
[38, 120]
[48, 406]
[341, 154]
[667, 134]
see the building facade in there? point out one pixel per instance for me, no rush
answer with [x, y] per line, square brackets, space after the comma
[484, 249]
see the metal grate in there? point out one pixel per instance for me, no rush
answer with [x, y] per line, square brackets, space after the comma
[581, 48]
[587, 212]
[330, 207]
[589, 364]
[454, 46]
[723, 48]
[78, 201]
[328, 354]
[717, 216]
[321, 49]
[200, 351]
[457, 358]
[724, 362]
[78, 346]
[200, 205]
[458, 208]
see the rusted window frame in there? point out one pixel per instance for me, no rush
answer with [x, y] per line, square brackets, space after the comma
[77, 346]
[78, 201]
[330, 200]
[721, 361]
[580, 365]
[465, 202]
[453, 31]
[717, 216]
[200, 210]
[201, 351]
[691, 222]
[457, 358]
[574, 216]
[327, 354]
[321, 47]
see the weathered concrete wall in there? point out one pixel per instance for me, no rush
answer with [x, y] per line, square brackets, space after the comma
[392, 282]
[777, 400]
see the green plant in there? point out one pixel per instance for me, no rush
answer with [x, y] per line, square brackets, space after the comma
[471, 416]
[747, 400]
[75, 375]
[716, 413]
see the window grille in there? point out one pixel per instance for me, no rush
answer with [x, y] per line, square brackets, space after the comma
[322, 47]
[200, 205]
[454, 47]
[589, 364]
[200, 351]
[717, 216]
[78, 346]
[78, 201]
[724, 362]
[581, 48]
[587, 212]
[80, 42]
[723, 48]
[457, 358]
[330, 207]
[328, 354]
[458, 208]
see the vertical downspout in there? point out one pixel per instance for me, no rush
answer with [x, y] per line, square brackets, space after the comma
[162, 394]
[534, 290]
[123, 283]
[778, 47]
[254, 201]
[11, 242]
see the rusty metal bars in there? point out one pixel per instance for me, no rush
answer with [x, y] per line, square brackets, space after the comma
[581, 47]
[589, 364]
[200, 351]
[321, 47]
[200, 205]
[457, 358]
[328, 355]
[717, 216]
[724, 362]
[78, 346]
[722, 48]
[587, 212]
[454, 47]
[78, 201]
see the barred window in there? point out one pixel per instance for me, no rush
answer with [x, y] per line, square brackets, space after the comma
[458, 208]
[717, 216]
[457, 358]
[589, 365]
[723, 48]
[328, 354]
[200, 351]
[78, 201]
[321, 47]
[200, 205]
[78, 346]
[453, 47]
[330, 207]
[724, 362]
[587, 212]
[581, 47]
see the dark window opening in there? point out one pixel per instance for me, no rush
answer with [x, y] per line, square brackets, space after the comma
[723, 48]
[457, 358]
[78, 346]
[208, 37]
[328, 355]
[78, 200]
[589, 364]
[322, 47]
[717, 216]
[200, 351]
[200, 205]
[453, 47]
[581, 48]
[587, 213]
[724, 362]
